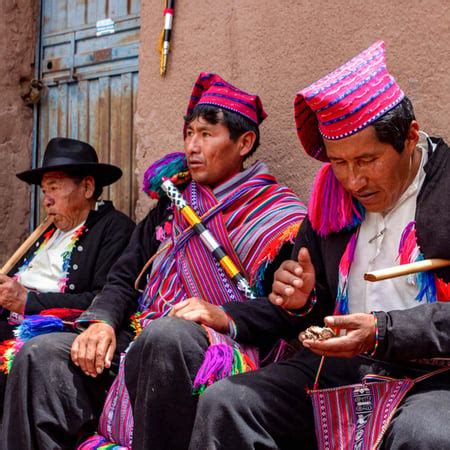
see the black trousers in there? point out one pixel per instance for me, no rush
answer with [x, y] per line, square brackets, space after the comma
[265, 409]
[6, 332]
[159, 371]
[49, 402]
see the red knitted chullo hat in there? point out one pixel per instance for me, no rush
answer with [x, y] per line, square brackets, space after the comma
[211, 89]
[345, 101]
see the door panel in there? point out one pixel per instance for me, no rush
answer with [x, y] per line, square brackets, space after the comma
[91, 83]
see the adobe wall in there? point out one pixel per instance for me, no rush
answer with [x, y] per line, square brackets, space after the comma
[276, 48]
[17, 31]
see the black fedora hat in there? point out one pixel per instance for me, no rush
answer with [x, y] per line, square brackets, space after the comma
[75, 157]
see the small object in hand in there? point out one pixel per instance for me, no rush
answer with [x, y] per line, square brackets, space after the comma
[317, 333]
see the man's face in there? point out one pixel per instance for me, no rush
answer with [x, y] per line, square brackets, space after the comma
[372, 171]
[65, 200]
[211, 154]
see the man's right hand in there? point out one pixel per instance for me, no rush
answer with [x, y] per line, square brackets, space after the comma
[293, 282]
[94, 348]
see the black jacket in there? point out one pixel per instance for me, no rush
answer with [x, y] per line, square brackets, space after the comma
[106, 235]
[419, 332]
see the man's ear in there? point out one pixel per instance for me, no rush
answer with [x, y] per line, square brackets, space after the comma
[247, 141]
[89, 186]
[413, 136]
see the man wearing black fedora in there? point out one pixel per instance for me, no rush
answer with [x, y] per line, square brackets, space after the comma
[67, 265]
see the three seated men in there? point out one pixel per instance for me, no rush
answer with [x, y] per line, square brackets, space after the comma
[373, 206]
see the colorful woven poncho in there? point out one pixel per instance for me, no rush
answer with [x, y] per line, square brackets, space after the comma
[252, 217]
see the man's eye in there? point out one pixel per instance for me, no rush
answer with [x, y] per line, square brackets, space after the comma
[206, 134]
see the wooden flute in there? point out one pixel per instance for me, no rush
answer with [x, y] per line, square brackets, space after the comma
[406, 269]
[25, 246]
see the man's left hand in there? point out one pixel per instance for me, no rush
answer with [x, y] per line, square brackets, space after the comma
[359, 337]
[13, 295]
[197, 310]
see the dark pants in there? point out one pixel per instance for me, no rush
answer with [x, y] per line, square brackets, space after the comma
[265, 409]
[159, 371]
[49, 402]
[6, 332]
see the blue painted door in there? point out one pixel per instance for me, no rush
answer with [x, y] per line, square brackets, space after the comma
[89, 65]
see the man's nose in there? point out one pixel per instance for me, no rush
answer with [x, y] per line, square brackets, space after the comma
[192, 144]
[356, 179]
[48, 200]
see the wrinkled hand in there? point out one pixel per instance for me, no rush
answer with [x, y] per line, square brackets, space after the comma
[13, 296]
[94, 348]
[197, 310]
[360, 336]
[293, 282]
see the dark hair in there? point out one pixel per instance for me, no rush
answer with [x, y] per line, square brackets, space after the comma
[237, 125]
[393, 127]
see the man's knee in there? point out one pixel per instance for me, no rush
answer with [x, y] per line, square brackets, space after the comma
[44, 348]
[169, 331]
[223, 396]
[419, 426]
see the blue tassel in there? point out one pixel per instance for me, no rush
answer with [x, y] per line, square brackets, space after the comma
[426, 284]
[35, 325]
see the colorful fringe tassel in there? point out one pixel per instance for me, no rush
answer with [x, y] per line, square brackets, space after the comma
[221, 360]
[172, 166]
[269, 254]
[36, 325]
[48, 321]
[8, 350]
[344, 271]
[331, 208]
[408, 252]
[97, 442]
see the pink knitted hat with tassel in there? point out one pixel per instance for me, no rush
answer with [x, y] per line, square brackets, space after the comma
[345, 101]
[211, 89]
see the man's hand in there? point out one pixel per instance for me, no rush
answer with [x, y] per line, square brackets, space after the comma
[13, 296]
[293, 282]
[197, 310]
[360, 336]
[94, 348]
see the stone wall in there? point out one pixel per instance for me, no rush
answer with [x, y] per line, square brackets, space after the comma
[276, 48]
[17, 43]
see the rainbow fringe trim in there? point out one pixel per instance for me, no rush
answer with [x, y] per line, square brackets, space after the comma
[8, 351]
[221, 360]
[269, 254]
[409, 252]
[97, 442]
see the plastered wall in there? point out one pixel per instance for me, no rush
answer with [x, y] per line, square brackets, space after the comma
[274, 48]
[17, 41]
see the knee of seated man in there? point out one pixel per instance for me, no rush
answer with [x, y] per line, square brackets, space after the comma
[43, 347]
[168, 331]
[223, 395]
[427, 427]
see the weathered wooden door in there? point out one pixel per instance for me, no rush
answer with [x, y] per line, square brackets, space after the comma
[89, 65]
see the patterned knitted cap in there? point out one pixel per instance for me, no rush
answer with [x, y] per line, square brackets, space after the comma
[345, 101]
[211, 89]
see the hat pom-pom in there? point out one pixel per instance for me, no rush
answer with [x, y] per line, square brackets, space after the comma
[172, 166]
[331, 208]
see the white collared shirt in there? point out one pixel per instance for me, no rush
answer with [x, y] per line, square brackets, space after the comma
[45, 270]
[377, 248]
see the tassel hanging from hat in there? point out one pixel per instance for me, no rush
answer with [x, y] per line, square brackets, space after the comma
[166, 34]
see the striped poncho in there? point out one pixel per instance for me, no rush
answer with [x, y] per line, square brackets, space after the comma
[252, 217]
